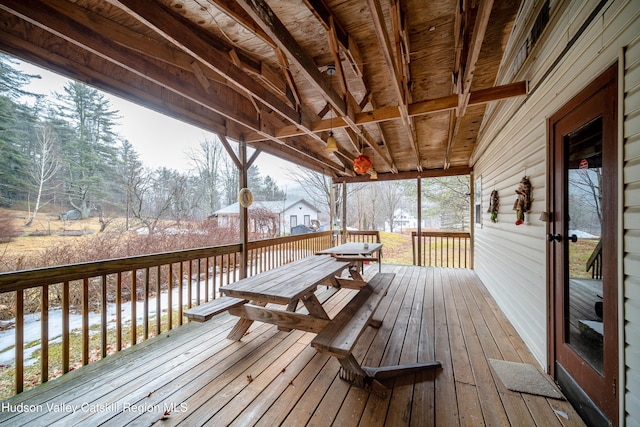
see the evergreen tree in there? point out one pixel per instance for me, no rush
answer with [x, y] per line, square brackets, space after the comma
[270, 189]
[13, 81]
[13, 161]
[16, 128]
[90, 153]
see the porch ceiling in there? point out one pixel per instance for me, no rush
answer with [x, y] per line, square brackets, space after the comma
[412, 78]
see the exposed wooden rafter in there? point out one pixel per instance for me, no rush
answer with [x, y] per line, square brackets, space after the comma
[189, 39]
[396, 75]
[267, 20]
[340, 39]
[431, 173]
[445, 103]
[467, 66]
[237, 69]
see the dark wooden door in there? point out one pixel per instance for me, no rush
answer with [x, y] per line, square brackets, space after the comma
[583, 249]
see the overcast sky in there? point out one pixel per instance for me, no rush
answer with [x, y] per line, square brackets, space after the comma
[158, 139]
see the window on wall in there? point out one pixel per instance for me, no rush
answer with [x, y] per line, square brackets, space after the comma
[478, 201]
[542, 19]
[293, 220]
[307, 220]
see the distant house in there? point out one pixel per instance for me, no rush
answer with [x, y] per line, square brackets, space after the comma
[271, 218]
[403, 220]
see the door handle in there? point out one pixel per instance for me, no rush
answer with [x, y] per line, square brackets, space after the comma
[554, 237]
[558, 238]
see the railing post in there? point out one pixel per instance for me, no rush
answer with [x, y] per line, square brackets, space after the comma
[419, 185]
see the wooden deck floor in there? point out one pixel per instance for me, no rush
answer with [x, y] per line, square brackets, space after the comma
[195, 376]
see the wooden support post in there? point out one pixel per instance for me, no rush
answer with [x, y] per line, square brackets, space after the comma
[332, 218]
[472, 218]
[344, 213]
[244, 212]
[419, 243]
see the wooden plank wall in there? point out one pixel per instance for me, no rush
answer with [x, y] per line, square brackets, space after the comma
[631, 135]
[510, 259]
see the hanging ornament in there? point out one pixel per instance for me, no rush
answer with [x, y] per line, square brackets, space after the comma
[362, 164]
[245, 197]
[494, 205]
[523, 202]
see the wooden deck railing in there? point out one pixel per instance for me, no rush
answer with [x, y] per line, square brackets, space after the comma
[594, 263]
[442, 249]
[371, 236]
[151, 289]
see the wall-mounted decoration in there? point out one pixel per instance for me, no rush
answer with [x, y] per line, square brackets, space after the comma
[523, 203]
[245, 197]
[494, 205]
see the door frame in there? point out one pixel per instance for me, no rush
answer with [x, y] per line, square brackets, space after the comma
[607, 84]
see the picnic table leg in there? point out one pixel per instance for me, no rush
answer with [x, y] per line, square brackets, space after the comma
[314, 307]
[242, 326]
[290, 307]
[352, 372]
[367, 378]
[240, 329]
[354, 273]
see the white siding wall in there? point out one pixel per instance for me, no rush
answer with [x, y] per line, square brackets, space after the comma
[631, 135]
[510, 259]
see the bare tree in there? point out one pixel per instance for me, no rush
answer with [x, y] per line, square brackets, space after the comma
[315, 185]
[391, 199]
[155, 195]
[207, 163]
[44, 164]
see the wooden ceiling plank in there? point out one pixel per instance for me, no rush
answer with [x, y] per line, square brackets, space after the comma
[188, 38]
[262, 14]
[234, 11]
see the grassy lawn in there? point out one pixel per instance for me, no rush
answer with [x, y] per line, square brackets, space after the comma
[579, 253]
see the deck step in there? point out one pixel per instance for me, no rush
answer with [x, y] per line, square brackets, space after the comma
[206, 311]
[341, 334]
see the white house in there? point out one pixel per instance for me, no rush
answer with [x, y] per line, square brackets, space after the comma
[273, 217]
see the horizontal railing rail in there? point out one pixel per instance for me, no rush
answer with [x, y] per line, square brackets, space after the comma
[106, 306]
[363, 236]
[271, 253]
[442, 249]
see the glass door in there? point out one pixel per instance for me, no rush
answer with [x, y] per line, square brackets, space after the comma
[583, 250]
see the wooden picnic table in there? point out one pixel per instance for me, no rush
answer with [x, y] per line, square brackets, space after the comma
[285, 285]
[358, 252]
[273, 297]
